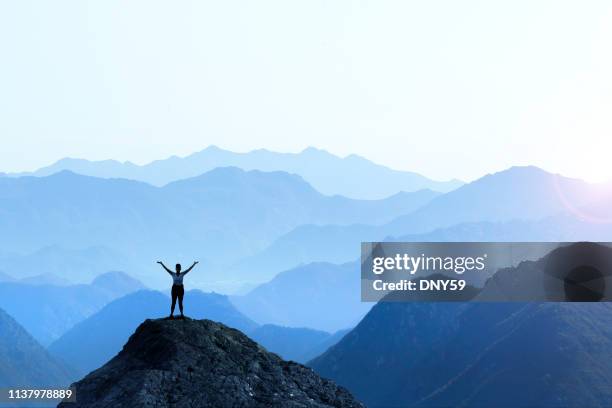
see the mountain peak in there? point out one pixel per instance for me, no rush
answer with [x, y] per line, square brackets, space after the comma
[529, 171]
[205, 364]
[212, 148]
[316, 150]
[205, 152]
[527, 175]
[118, 282]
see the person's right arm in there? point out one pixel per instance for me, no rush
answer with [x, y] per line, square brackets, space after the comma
[164, 266]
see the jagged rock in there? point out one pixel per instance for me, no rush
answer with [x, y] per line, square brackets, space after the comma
[200, 363]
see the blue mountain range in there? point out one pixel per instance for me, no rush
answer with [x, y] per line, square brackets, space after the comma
[218, 217]
[521, 203]
[47, 311]
[476, 355]
[322, 296]
[352, 176]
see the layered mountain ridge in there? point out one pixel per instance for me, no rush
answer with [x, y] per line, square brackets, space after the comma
[356, 177]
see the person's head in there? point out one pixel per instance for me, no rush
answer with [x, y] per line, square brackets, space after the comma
[178, 268]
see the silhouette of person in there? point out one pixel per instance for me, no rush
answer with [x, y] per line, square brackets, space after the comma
[178, 290]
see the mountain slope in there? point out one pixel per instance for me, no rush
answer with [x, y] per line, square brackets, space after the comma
[326, 344]
[24, 362]
[98, 338]
[204, 364]
[47, 311]
[321, 296]
[519, 193]
[477, 355]
[392, 335]
[563, 349]
[355, 176]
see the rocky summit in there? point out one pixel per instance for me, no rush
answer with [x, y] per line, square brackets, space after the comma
[200, 363]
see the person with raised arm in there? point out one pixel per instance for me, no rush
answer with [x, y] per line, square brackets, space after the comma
[178, 290]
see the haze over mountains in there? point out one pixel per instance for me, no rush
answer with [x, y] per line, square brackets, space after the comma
[217, 217]
[300, 246]
[66, 265]
[295, 343]
[519, 193]
[227, 218]
[47, 311]
[247, 226]
[520, 204]
[321, 296]
[353, 176]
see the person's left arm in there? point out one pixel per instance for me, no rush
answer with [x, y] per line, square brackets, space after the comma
[190, 268]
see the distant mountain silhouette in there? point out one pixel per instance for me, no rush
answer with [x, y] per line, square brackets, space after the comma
[353, 176]
[519, 193]
[24, 362]
[521, 203]
[307, 244]
[321, 296]
[200, 363]
[72, 265]
[92, 342]
[293, 343]
[45, 279]
[217, 307]
[477, 355]
[117, 283]
[222, 215]
[51, 310]
[559, 228]
[328, 243]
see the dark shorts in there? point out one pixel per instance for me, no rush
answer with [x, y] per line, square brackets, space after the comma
[178, 291]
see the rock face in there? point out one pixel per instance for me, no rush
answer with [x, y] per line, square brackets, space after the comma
[200, 363]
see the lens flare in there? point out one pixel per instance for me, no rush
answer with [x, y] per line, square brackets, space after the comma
[591, 212]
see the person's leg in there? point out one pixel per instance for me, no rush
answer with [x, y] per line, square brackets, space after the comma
[180, 299]
[174, 296]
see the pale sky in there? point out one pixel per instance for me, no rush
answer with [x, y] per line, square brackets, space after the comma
[444, 88]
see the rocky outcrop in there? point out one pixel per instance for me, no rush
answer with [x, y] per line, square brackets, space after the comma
[200, 363]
